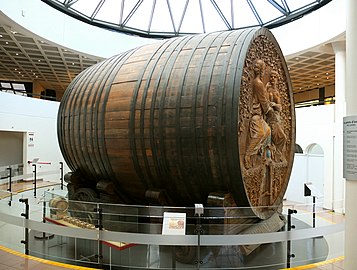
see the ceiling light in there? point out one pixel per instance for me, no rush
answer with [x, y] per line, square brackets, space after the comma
[17, 54]
[296, 58]
[15, 69]
[300, 88]
[72, 64]
[42, 41]
[326, 73]
[36, 76]
[39, 60]
[315, 76]
[327, 78]
[0, 36]
[317, 84]
[13, 32]
[7, 42]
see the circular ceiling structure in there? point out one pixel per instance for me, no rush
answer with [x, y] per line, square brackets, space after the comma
[169, 18]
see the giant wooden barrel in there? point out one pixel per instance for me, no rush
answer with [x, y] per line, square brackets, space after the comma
[190, 115]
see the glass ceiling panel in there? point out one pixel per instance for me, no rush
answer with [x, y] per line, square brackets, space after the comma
[162, 16]
[177, 8]
[110, 11]
[215, 20]
[267, 12]
[128, 8]
[167, 18]
[225, 7]
[243, 15]
[86, 7]
[192, 18]
[141, 17]
[294, 5]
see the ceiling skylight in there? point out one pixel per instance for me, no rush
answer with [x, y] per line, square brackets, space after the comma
[167, 18]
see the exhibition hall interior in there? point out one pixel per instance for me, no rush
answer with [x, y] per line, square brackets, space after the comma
[163, 134]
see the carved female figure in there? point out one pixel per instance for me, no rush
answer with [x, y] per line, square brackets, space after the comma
[259, 130]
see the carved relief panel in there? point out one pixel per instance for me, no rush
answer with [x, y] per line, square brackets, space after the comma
[266, 124]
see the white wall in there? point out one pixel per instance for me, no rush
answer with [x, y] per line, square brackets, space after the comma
[313, 29]
[306, 169]
[38, 119]
[315, 125]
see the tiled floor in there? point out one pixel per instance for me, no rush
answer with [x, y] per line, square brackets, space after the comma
[335, 264]
[10, 259]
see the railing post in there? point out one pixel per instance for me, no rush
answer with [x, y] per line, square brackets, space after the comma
[61, 169]
[313, 211]
[35, 180]
[9, 189]
[100, 228]
[199, 212]
[44, 235]
[288, 245]
[26, 215]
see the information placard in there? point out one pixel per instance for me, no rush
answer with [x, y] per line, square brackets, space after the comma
[350, 147]
[174, 223]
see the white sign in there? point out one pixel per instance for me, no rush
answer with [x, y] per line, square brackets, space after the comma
[350, 147]
[31, 139]
[174, 223]
[314, 191]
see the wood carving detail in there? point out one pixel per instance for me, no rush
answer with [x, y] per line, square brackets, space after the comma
[265, 124]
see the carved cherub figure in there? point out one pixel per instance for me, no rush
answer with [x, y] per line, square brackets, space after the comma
[273, 119]
[259, 130]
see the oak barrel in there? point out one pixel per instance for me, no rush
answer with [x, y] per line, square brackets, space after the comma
[180, 115]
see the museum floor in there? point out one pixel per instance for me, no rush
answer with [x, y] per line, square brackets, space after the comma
[11, 259]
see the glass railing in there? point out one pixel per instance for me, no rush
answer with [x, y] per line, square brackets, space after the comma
[118, 236]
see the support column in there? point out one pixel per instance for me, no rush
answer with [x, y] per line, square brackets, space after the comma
[351, 109]
[37, 89]
[338, 181]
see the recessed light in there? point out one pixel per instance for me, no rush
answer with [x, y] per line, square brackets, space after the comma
[36, 76]
[15, 69]
[315, 76]
[19, 72]
[296, 58]
[39, 60]
[7, 42]
[327, 78]
[42, 41]
[317, 84]
[300, 88]
[326, 73]
[17, 54]
[0, 36]
[72, 64]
